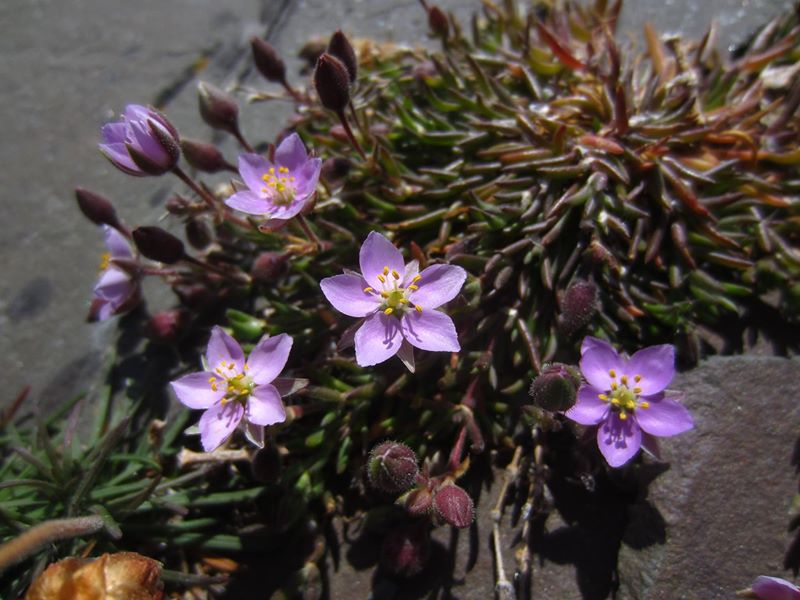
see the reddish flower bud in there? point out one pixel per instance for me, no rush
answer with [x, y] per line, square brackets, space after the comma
[218, 108]
[392, 467]
[332, 83]
[578, 307]
[267, 60]
[406, 550]
[159, 245]
[312, 50]
[335, 169]
[268, 266]
[340, 47]
[96, 208]
[197, 233]
[556, 387]
[204, 157]
[417, 502]
[166, 326]
[454, 506]
[437, 21]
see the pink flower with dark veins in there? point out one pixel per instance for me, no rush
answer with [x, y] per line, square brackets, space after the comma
[626, 399]
[397, 302]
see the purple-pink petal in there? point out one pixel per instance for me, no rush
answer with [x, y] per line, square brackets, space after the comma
[597, 359]
[112, 283]
[268, 358]
[222, 348]
[663, 417]
[218, 423]
[655, 365]
[376, 253]
[619, 440]
[248, 202]
[412, 270]
[144, 140]
[306, 178]
[252, 168]
[114, 133]
[116, 243]
[346, 294]
[291, 152]
[264, 407]
[438, 284]
[430, 330]
[118, 155]
[377, 340]
[194, 390]
[588, 408]
[286, 212]
[774, 588]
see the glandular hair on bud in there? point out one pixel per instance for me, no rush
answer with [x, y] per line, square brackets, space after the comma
[267, 60]
[332, 83]
[159, 245]
[392, 467]
[218, 108]
[96, 208]
[203, 156]
[555, 388]
[417, 502]
[454, 506]
[578, 306]
[340, 47]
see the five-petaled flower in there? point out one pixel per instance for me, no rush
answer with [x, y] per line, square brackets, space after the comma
[626, 399]
[398, 302]
[117, 289]
[142, 143]
[232, 389]
[281, 189]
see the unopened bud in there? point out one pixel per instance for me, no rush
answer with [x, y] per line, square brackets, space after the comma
[335, 169]
[312, 50]
[556, 387]
[166, 326]
[267, 60]
[454, 506]
[203, 156]
[159, 245]
[437, 21]
[578, 307]
[218, 108]
[268, 266]
[406, 550]
[332, 83]
[340, 47]
[392, 467]
[197, 233]
[417, 502]
[96, 208]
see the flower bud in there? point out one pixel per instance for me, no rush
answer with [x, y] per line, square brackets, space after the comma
[166, 326]
[437, 21]
[204, 157]
[159, 245]
[332, 83]
[340, 47]
[335, 169]
[453, 505]
[96, 208]
[268, 266]
[312, 50]
[392, 467]
[197, 233]
[111, 576]
[267, 60]
[556, 387]
[417, 502]
[406, 550]
[578, 307]
[218, 108]
[195, 296]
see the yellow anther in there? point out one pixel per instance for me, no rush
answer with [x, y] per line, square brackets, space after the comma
[283, 170]
[384, 294]
[413, 287]
[637, 390]
[615, 401]
[623, 415]
[613, 373]
[418, 307]
[385, 270]
[603, 397]
[272, 170]
[219, 371]
[246, 367]
[388, 311]
[105, 260]
[395, 274]
[403, 301]
[213, 387]
[624, 380]
[614, 385]
[381, 278]
[368, 290]
[637, 378]
[416, 278]
[239, 377]
[212, 379]
[644, 405]
[630, 405]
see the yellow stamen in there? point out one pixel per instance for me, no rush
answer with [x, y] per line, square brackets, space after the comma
[388, 311]
[614, 385]
[385, 270]
[630, 405]
[368, 290]
[283, 170]
[105, 260]
[603, 397]
[615, 401]
[418, 307]
[212, 379]
[637, 390]
[403, 301]
[246, 367]
[381, 278]
[622, 415]
[644, 405]
[213, 387]
[384, 294]
[413, 287]
[624, 380]
[637, 378]
[613, 373]
[395, 274]
[416, 278]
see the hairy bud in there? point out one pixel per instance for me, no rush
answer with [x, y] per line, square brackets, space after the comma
[417, 502]
[340, 47]
[392, 467]
[332, 82]
[437, 21]
[218, 108]
[204, 157]
[166, 326]
[556, 387]
[267, 60]
[453, 505]
[578, 307]
[159, 245]
[268, 266]
[96, 208]
[406, 550]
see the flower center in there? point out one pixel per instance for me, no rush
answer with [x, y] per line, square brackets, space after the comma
[624, 399]
[280, 188]
[395, 296]
[105, 261]
[237, 387]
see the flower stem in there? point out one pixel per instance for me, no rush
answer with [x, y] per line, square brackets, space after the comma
[240, 138]
[188, 457]
[197, 189]
[240, 277]
[301, 220]
[349, 132]
[503, 587]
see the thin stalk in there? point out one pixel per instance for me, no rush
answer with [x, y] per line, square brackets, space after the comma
[503, 588]
[240, 138]
[197, 189]
[350, 136]
[301, 220]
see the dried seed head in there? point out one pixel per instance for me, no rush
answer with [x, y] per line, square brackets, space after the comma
[332, 83]
[556, 387]
[96, 208]
[454, 506]
[203, 156]
[159, 245]
[392, 467]
[578, 307]
[218, 108]
[340, 47]
[268, 61]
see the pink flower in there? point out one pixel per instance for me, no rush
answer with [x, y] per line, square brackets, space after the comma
[141, 143]
[398, 302]
[626, 398]
[232, 389]
[774, 588]
[279, 190]
[117, 289]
